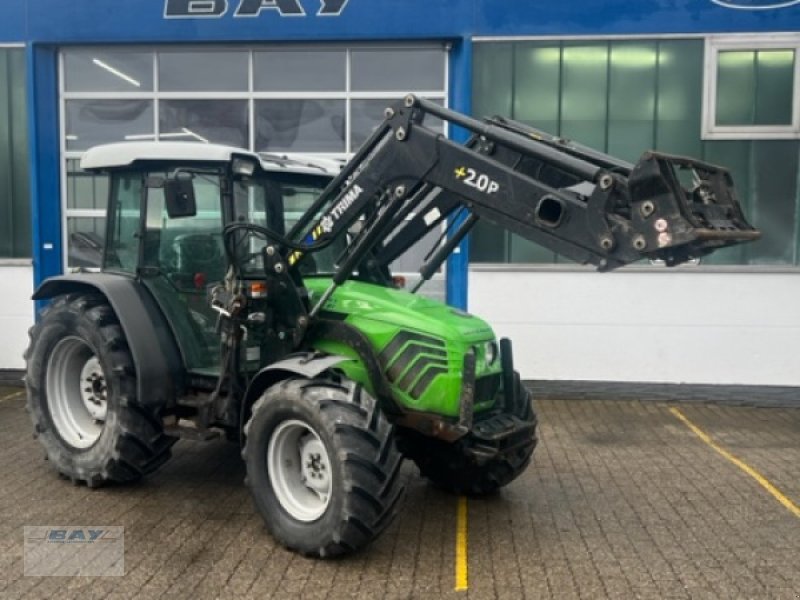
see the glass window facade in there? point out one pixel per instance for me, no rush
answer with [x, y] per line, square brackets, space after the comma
[627, 96]
[15, 216]
[752, 87]
[92, 122]
[310, 99]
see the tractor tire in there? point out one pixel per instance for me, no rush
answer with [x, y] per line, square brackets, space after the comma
[322, 465]
[447, 467]
[81, 386]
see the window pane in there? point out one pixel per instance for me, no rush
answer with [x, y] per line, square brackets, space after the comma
[366, 115]
[300, 125]
[526, 251]
[202, 71]
[214, 121]
[487, 243]
[184, 246]
[774, 95]
[300, 71]
[86, 236]
[537, 83]
[15, 216]
[585, 93]
[85, 190]
[765, 174]
[631, 98]
[755, 87]
[123, 245]
[103, 70]
[680, 93]
[775, 164]
[493, 74]
[92, 122]
[397, 70]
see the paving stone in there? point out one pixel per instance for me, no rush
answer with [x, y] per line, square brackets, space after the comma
[622, 501]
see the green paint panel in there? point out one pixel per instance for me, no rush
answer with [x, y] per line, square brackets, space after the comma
[382, 313]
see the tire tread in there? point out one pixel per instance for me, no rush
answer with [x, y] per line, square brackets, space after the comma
[366, 448]
[139, 445]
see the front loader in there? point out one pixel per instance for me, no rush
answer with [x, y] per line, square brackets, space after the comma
[252, 297]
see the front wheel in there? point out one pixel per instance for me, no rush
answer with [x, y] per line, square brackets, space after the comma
[322, 465]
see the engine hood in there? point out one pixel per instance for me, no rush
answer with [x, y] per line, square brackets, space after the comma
[357, 300]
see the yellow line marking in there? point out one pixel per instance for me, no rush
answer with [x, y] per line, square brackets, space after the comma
[12, 396]
[461, 545]
[762, 481]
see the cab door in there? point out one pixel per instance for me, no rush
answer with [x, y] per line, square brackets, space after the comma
[180, 259]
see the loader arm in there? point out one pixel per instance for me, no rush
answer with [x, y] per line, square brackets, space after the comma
[585, 205]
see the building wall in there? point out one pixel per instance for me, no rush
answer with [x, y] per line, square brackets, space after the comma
[16, 313]
[646, 326]
[16, 272]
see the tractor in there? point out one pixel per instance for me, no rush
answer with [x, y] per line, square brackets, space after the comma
[251, 296]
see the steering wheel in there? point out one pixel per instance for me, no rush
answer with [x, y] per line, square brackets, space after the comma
[197, 251]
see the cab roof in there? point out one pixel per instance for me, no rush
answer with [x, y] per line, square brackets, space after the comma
[124, 154]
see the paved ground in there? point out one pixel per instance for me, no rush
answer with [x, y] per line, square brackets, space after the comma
[623, 501]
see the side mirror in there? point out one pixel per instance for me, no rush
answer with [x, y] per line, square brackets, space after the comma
[179, 196]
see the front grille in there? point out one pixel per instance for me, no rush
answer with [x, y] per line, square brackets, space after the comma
[410, 354]
[486, 388]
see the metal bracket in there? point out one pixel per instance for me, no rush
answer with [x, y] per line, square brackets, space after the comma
[467, 398]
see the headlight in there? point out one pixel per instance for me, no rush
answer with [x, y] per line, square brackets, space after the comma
[242, 166]
[490, 352]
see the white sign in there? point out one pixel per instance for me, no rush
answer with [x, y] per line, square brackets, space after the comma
[755, 4]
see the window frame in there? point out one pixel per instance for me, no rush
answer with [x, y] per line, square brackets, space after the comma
[713, 46]
[251, 95]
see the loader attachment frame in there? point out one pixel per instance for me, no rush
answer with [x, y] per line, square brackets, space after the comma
[591, 207]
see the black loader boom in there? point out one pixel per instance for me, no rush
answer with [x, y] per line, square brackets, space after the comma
[583, 204]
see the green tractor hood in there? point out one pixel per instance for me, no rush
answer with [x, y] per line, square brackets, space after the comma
[402, 309]
[420, 343]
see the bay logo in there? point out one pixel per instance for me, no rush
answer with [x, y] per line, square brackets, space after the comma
[79, 535]
[755, 4]
[215, 9]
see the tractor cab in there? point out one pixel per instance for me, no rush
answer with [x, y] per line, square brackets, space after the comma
[168, 206]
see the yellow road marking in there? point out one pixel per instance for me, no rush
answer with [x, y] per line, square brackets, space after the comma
[762, 481]
[12, 395]
[461, 545]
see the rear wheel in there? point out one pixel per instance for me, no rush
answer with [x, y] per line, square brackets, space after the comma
[322, 465]
[450, 467]
[82, 395]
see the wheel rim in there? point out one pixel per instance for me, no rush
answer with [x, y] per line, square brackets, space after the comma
[77, 393]
[299, 470]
